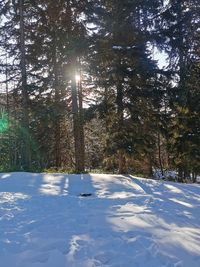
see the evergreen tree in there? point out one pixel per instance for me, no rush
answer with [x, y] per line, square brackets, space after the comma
[180, 24]
[140, 116]
[123, 68]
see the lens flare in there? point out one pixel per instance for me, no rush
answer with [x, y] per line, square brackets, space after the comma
[3, 122]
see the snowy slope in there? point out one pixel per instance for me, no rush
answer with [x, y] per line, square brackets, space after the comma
[126, 222]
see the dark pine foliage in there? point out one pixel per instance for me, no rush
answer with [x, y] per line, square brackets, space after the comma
[82, 86]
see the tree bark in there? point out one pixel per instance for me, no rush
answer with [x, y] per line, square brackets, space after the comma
[159, 155]
[26, 150]
[122, 168]
[81, 125]
[57, 118]
[8, 114]
[78, 146]
[122, 163]
[120, 94]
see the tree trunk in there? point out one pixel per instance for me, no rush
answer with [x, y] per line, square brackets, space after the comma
[122, 168]
[180, 175]
[122, 163]
[119, 86]
[57, 130]
[79, 160]
[159, 155]
[57, 118]
[194, 177]
[8, 115]
[81, 125]
[26, 150]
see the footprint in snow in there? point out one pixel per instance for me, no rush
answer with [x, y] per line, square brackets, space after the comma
[41, 258]
[59, 245]
[104, 258]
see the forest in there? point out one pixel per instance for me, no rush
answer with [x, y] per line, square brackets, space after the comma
[100, 85]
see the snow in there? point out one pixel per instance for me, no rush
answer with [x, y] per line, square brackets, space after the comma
[119, 47]
[167, 174]
[127, 221]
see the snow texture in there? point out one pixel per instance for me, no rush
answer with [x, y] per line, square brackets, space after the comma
[126, 222]
[167, 174]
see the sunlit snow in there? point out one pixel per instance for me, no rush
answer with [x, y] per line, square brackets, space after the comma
[127, 221]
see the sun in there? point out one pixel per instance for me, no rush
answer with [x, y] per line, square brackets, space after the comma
[78, 78]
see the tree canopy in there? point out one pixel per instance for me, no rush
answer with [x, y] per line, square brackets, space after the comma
[82, 86]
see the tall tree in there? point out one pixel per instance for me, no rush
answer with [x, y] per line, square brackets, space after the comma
[123, 68]
[180, 24]
[26, 149]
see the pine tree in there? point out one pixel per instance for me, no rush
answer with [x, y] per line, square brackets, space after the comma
[26, 150]
[61, 37]
[180, 21]
[121, 63]
[13, 43]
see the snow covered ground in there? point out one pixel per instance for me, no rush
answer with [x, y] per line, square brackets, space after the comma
[127, 222]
